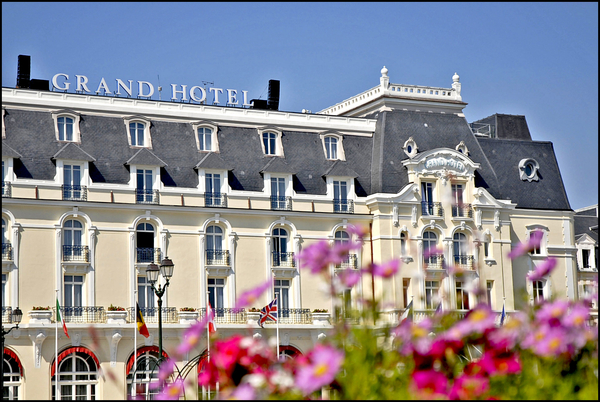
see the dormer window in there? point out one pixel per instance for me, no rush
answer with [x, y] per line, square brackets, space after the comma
[410, 148]
[138, 132]
[332, 144]
[206, 137]
[331, 147]
[462, 148]
[528, 169]
[271, 142]
[66, 126]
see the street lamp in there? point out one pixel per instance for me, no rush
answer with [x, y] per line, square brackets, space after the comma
[17, 315]
[166, 270]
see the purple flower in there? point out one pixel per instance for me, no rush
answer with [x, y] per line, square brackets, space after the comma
[552, 312]
[244, 392]
[359, 231]
[469, 387]
[324, 364]
[315, 257]
[192, 335]
[350, 277]
[548, 341]
[542, 270]
[478, 320]
[577, 316]
[171, 391]
[387, 269]
[430, 383]
[251, 296]
[535, 239]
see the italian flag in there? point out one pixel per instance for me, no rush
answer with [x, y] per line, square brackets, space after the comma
[62, 320]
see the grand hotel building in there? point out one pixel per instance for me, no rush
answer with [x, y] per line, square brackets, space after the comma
[95, 188]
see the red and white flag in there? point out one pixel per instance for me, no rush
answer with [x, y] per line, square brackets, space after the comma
[211, 319]
[62, 319]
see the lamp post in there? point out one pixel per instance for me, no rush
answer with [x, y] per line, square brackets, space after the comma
[166, 270]
[17, 315]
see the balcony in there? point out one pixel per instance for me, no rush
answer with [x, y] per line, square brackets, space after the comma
[217, 257]
[283, 260]
[6, 315]
[434, 262]
[7, 252]
[464, 261]
[432, 209]
[6, 189]
[462, 211]
[146, 196]
[74, 193]
[293, 316]
[227, 315]
[150, 314]
[215, 200]
[81, 314]
[349, 261]
[343, 206]
[281, 203]
[76, 253]
[147, 255]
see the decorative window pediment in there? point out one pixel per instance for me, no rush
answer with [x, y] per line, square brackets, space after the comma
[270, 140]
[66, 125]
[333, 145]
[138, 131]
[528, 169]
[410, 148]
[462, 148]
[205, 133]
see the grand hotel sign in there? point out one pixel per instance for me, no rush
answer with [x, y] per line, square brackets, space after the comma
[145, 89]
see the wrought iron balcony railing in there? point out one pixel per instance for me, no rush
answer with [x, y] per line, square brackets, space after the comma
[81, 314]
[217, 257]
[283, 259]
[6, 189]
[74, 192]
[146, 255]
[434, 262]
[6, 315]
[464, 261]
[432, 209]
[169, 315]
[215, 200]
[7, 252]
[350, 261]
[293, 316]
[76, 253]
[281, 203]
[343, 206]
[227, 315]
[462, 210]
[146, 196]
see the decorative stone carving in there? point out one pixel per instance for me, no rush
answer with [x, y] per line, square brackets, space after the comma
[478, 214]
[76, 339]
[413, 217]
[113, 342]
[395, 214]
[38, 339]
[285, 339]
[497, 220]
[257, 335]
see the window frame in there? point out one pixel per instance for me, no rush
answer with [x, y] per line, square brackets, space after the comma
[74, 373]
[76, 129]
[147, 134]
[214, 140]
[543, 248]
[278, 141]
[12, 384]
[340, 154]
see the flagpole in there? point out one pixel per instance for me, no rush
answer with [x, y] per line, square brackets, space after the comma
[278, 315]
[56, 392]
[133, 386]
[207, 334]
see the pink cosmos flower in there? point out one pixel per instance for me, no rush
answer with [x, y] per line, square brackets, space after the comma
[499, 362]
[430, 383]
[244, 392]
[251, 296]
[359, 231]
[577, 317]
[547, 341]
[469, 387]
[165, 370]
[324, 364]
[192, 336]
[315, 257]
[350, 277]
[542, 270]
[552, 312]
[387, 269]
[535, 239]
[172, 391]
[478, 320]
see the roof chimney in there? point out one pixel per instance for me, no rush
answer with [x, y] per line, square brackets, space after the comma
[273, 99]
[23, 71]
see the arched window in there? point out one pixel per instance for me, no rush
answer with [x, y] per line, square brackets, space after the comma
[6, 245]
[145, 250]
[205, 138]
[269, 143]
[403, 242]
[214, 246]
[341, 236]
[350, 261]
[460, 248]
[429, 245]
[65, 128]
[73, 249]
[13, 374]
[77, 376]
[136, 134]
[331, 147]
[145, 371]
[281, 257]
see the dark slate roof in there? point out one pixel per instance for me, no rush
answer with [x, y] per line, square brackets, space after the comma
[508, 126]
[583, 221]
[341, 169]
[145, 157]
[546, 193]
[429, 131]
[9, 152]
[73, 152]
[212, 161]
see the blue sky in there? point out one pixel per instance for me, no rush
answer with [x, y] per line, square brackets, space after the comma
[534, 59]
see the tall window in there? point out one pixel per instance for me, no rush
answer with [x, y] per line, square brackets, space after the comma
[585, 258]
[65, 128]
[73, 250]
[429, 244]
[145, 251]
[457, 200]
[331, 147]
[205, 138]
[4, 293]
[460, 249]
[136, 132]
[280, 253]
[216, 287]
[402, 243]
[340, 196]
[145, 296]
[427, 198]
[212, 189]
[537, 250]
[538, 291]
[144, 192]
[73, 292]
[12, 378]
[462, 296]
[282, 291]
[405, 287]
[431, 290]
[269, 141]
[145, 372]
[77, 376]
[214, 244]
[488, 292]
[72, 181]
[278, 200]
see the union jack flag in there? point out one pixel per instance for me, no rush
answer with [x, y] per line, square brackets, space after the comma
[268, 312]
